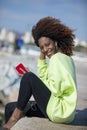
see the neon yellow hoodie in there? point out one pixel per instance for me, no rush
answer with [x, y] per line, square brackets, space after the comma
[59, 76]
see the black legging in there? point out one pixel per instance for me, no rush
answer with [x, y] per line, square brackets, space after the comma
[30, 85]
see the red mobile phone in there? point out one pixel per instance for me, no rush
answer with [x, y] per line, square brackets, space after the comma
[21, 69]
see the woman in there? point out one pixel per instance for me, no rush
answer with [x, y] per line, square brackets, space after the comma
[54, 90]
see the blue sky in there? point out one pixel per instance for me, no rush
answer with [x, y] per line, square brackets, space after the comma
[21, 15]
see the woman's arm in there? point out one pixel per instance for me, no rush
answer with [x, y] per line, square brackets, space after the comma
[42, 66]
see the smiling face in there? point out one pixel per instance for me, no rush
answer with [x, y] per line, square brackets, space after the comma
[47, 46]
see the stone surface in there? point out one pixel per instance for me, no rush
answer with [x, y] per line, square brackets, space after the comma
[44, 124]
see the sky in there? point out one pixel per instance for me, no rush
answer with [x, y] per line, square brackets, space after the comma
[21, 15]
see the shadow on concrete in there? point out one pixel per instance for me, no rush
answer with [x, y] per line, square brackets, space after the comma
[80, 118]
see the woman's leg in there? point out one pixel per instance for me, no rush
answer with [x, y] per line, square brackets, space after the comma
[31, 84]
[9, 108]
[31, 110]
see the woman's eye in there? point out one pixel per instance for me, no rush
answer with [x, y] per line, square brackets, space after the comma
[47, 44]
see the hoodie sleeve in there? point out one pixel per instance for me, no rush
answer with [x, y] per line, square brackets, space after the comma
[47, 73]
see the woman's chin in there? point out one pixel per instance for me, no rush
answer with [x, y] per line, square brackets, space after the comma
[49, 56]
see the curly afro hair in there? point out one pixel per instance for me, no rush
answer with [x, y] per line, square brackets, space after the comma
[53, 28]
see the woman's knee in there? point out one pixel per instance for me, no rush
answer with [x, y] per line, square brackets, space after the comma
[27, 75]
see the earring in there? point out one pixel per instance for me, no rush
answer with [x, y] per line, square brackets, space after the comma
[56, 45]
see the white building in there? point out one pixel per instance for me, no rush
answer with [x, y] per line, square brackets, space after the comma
[27, 38]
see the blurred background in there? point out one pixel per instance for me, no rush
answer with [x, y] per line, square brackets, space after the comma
[17, 45]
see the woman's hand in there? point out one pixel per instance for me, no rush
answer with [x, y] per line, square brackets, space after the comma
[42, 56]
[20, 75]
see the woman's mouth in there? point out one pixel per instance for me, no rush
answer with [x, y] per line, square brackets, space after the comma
[49, 53]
